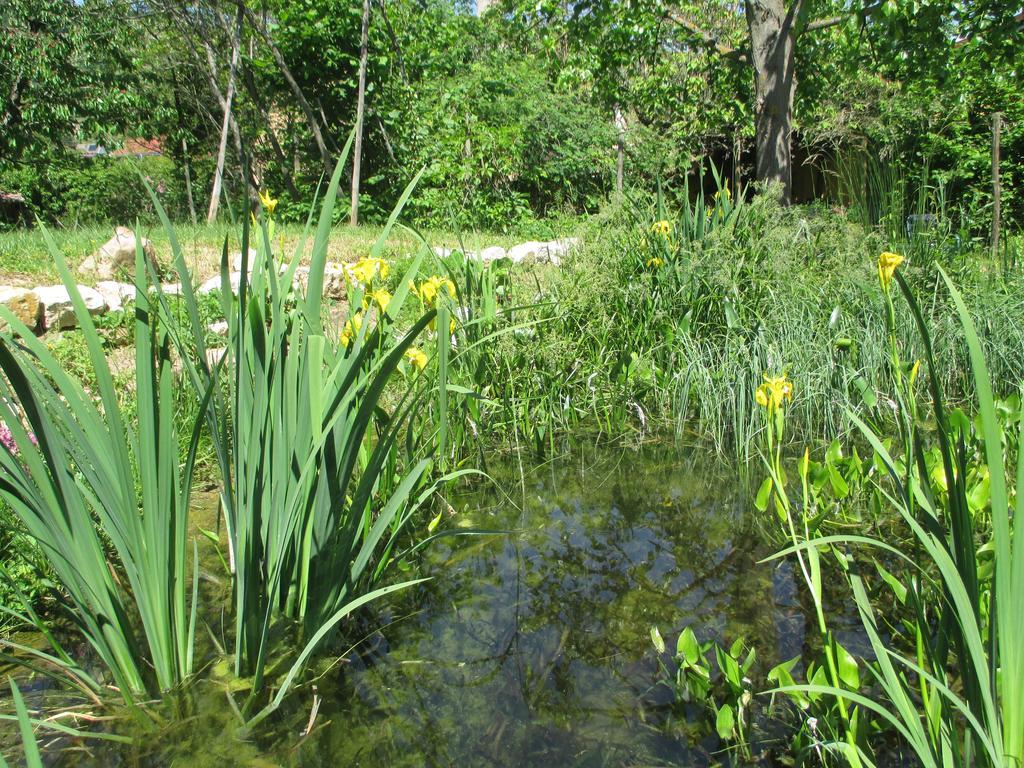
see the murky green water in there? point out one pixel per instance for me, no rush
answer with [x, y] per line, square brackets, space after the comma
[532, 648]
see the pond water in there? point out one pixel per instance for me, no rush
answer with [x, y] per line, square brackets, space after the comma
[532, 648]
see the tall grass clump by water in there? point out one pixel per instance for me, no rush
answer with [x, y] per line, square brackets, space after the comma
[948, 665]
[674, 323]
[310, 409]
[321, 475]
[960, 700]
[99, 486]
[667, 314]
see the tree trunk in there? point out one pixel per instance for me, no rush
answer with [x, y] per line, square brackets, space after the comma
[185, 161]
[211, 77]
[282, 161]
[357, 149]
[188, 180]
[620, 149]
[997, 123]
[772, 45]
[211, 214]
[300, 97]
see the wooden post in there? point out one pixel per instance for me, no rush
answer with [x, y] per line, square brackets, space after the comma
[997, 124]
[357, 150]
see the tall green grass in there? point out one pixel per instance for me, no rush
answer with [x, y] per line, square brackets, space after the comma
[321, 475]
[647, 330]
[952, 687]
[320, 469]
[100, 488]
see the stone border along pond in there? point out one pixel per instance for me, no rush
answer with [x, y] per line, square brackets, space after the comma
[49, 307]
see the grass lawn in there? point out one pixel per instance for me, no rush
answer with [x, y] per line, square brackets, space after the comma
[25, 261]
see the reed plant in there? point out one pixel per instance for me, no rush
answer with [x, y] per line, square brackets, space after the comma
[315, 500]
[99, 485]
[948, 667]
[309, 421]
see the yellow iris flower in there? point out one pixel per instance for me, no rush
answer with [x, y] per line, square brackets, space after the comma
[351, 329]
[269, 203]
[380, 296]
[663, 228]
[774, 391]
[887, 264]
[431, 287]
[655, 262]
[364, 270]
[417, 357]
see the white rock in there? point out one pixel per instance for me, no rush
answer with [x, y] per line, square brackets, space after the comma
[539, 252]
[335, 281]
[115, 294]
[492, 253]
[116, 255]
[442, 252]
[236, 260]
[58, 311]
[214, 356]
[171, 289]
[213, 284]
[220, 327]
[532, 251]
[22, 303]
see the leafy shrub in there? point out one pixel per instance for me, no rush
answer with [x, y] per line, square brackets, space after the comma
[74, 190]
[501, 146]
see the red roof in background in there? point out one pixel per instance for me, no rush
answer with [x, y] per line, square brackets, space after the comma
[139, 148]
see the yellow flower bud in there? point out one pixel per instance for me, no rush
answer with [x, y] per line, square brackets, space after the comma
[887, 264]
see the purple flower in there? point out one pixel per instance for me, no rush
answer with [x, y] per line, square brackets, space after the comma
[8, 441]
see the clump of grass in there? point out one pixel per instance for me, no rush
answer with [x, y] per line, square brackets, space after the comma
[947, 664]
[659, 321]
[98, 484]
[320, 474]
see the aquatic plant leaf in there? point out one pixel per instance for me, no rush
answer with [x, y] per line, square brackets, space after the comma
[28, 738]
[688, 647]
[725, 722]
[764, 494]
[658, 640]
[847, 665]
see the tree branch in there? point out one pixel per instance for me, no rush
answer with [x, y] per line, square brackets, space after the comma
[833, 21]
[708, 38]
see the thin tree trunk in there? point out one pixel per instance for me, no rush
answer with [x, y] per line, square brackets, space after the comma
[357, 150]
[737, 159]
[620, 149]
[387, 141]
[186, 163]
[211, 77]
[229, 98]
[395, 45]
[997, 121]
[188, 181]
[307, 110]
[282, 161]
[772, 46]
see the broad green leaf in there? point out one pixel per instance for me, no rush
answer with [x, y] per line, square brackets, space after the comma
[764, 494]
[688, 647]
[725, 722]
[658, 640]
